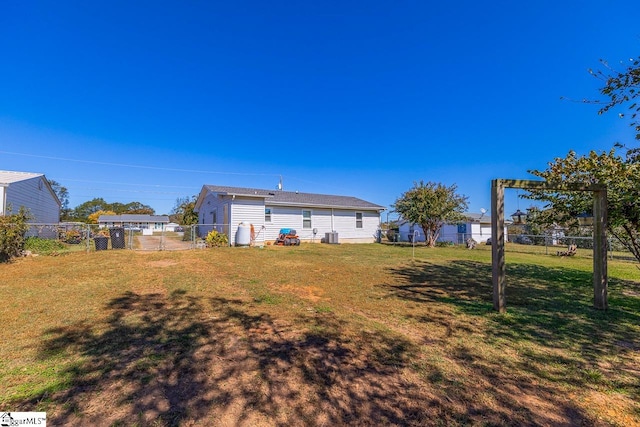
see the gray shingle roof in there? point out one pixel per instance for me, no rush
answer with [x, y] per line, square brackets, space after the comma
[8, 177]
[294, 198]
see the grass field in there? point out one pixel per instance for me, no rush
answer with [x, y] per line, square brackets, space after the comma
[317, 335]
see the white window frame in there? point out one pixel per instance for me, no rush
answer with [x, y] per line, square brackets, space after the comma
[361, 221]
[267, 215]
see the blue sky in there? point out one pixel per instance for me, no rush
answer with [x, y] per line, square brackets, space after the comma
[148, 101]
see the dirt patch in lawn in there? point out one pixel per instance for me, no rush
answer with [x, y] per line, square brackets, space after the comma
[316, 335]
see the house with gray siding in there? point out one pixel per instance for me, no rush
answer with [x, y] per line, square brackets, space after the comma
[32, 191]
[267, 211]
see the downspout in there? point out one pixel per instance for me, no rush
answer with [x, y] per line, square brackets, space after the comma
[4, 200]
[332, 228]
[231, 235]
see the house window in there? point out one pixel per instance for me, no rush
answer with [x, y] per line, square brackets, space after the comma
[267, 214]
[358, 219]
[306, 219]
[214, 216]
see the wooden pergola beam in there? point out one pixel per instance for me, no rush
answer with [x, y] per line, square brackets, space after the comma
[498, 272]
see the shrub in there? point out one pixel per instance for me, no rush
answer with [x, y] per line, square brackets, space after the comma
[216, 239]
[12, 231]
[187, 236]
[71, 236]
[43, 246]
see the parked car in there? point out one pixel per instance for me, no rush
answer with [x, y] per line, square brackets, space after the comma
[523, 240]
[132, 227]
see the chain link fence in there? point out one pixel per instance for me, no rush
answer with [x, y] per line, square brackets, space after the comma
[74, 236]
[529, 243]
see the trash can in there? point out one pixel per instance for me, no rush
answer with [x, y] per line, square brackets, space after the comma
[101, 242]
[117, 237]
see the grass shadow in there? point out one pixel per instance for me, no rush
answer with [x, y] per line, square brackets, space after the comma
[178, 359]
[551, 323]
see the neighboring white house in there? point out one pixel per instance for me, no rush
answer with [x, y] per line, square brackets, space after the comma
[134, 221]
[477, 226]
[267, 211]
[172, 226]
[31, 190]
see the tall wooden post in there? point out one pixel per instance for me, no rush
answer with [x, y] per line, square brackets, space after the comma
[600, 300]
[498, 270]
[599, 235]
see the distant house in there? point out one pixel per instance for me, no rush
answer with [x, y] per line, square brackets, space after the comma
[134, 221]
[267, 211]
[476, 225]
[32, 191]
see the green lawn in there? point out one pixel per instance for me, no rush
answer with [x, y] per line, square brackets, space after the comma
[317, 335]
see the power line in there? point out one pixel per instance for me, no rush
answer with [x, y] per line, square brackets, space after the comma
[137, 166]
[125, 183]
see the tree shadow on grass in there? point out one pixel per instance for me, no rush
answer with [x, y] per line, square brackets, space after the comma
[551, 322]
[178, 359]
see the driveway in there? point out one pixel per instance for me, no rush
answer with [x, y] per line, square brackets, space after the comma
[156, 243]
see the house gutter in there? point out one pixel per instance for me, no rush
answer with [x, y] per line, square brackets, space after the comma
[4, 198]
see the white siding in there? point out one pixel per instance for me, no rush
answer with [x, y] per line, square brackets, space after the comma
[324, 220]
[249, 211]
[449, 232]
[211, 203]
[240, 209]
[35, 195]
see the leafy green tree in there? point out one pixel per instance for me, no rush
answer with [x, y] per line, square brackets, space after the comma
[431, 205]
[138, 208]
[94, 217]
[622, 177]
[82, 211]
[184, 211]
[622, 87]
[63, 195]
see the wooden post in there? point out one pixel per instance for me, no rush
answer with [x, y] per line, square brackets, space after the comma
[600, 300]
[599, 235]
[498, 270]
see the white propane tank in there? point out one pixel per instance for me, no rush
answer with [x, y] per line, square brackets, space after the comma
[243, 235]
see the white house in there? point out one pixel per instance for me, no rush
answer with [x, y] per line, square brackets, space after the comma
[32, 191]
[134, 221]
[267, 211]
[477, 226]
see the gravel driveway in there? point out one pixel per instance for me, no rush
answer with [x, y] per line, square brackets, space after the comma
[155, 243]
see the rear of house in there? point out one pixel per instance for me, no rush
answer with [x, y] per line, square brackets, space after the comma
[31, 191]
[267, 211]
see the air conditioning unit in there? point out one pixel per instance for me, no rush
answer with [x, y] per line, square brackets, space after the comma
[331, 237]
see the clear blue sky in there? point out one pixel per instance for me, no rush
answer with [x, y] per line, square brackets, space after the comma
[148, 101]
